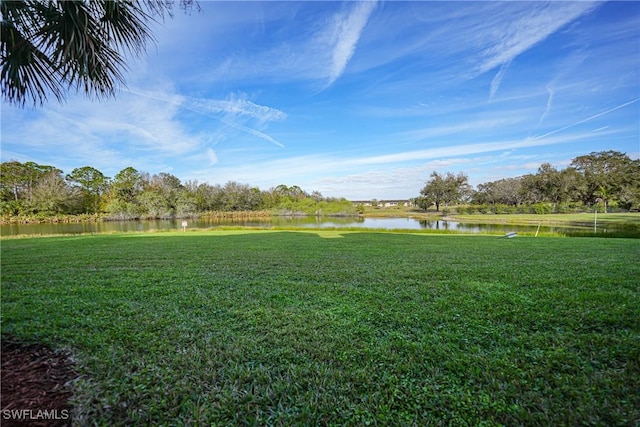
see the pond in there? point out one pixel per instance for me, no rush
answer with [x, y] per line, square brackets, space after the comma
[304, 222]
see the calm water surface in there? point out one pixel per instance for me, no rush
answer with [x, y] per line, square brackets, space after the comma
[306, 222]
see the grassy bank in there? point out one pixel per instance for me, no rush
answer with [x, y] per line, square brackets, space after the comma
[586, 218]
[334, 328]
[620, 224]
[608, 225]
[585, 224]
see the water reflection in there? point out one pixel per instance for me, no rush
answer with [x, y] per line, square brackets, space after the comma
[305, 222]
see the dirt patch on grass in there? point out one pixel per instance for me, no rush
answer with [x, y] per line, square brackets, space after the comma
[35, 386]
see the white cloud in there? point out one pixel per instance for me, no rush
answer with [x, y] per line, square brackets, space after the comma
[532, 24]
[465, 149]
[129, 130]
[270, 41]
[234, 105]
[342, 37]
[588, 119]
[495, 83]
[310, 169]
[229, 111]
[490, 123]
[211, 156]
[462, 40]
[549, 103]
[471, 38]
[399, 174]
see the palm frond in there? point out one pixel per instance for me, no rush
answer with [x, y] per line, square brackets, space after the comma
[26, 72]
[50, 46]
[125, 24]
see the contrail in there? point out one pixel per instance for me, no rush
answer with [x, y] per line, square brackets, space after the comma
[549, 102]
[495, 83]
[240, 127]
[595, 116]
[206, 114]
[345, 33]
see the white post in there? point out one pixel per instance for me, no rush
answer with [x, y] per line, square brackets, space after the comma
[184, 225]
[595, 222]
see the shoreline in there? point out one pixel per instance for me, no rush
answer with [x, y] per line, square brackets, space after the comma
[582, 219]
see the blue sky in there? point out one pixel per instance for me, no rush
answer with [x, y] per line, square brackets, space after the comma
[360, 100]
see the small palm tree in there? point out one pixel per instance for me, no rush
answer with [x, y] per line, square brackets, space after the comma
[604, 196]
[49, 47]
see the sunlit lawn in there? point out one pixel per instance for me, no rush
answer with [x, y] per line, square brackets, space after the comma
[329, 328]
[626, 218]
[602, 219]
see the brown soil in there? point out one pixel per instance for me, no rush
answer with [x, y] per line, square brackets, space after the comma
[34, 386]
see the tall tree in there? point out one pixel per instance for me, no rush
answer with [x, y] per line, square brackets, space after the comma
[52, 195]
[629, 196]
[506, 191]
[127, 184]
[48, 47]
[449, 188]
[13, 180]
[605, 174]
[92, 183]
[241, 197]
[160, 194]
[207, 197]
[557, 186]
[19, 179]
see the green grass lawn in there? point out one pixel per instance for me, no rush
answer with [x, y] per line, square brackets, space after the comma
[631, 220]
[607, 225]
[335, 328]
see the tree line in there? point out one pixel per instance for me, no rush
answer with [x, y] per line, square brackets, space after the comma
[31, 189]
[606, 179]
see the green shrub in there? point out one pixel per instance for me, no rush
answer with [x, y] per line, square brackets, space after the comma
[540, 208]
[484, 209]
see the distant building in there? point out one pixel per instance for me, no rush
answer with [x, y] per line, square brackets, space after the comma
[383, 203]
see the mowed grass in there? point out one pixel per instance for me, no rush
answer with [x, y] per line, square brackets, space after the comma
[335, 328]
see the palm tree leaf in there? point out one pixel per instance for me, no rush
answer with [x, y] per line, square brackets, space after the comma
[125, 24]
[26, 71]
[48, 46]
